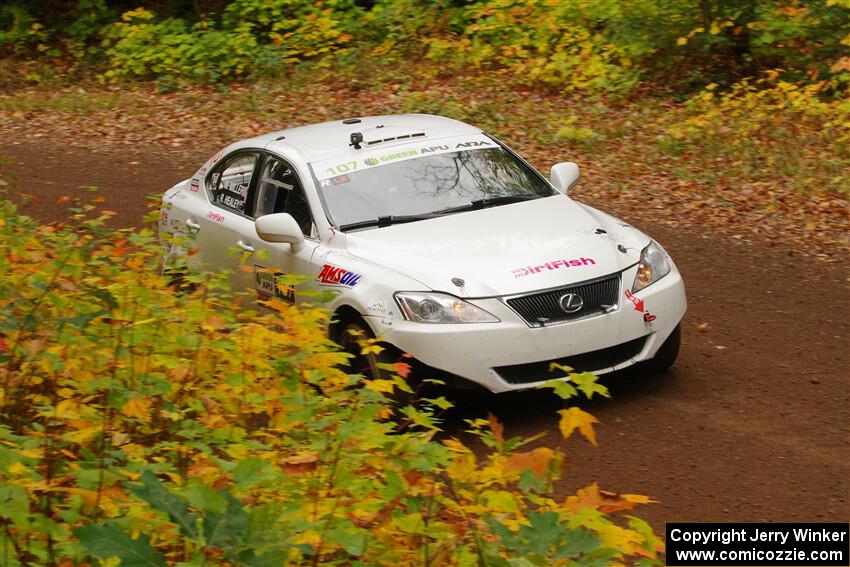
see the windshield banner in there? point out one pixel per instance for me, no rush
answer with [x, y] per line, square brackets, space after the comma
[367, 159]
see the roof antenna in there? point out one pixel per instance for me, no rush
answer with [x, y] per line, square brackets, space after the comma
[356, 140]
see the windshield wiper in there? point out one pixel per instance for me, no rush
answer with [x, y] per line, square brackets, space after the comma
[388, 220]
[488, 202]
[502, 200]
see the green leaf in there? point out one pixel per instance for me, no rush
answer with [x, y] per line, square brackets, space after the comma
[273, 558]
[248, 471]
[154, 493]
[226, 530]
[108, 540]
[205, 498]
[352, 541]
[579, 542]
[586, 382]
[562, 389]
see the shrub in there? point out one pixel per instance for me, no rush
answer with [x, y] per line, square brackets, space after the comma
[774, 126]
[154, 426]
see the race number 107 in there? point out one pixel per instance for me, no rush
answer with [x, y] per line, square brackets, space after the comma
[342, 168]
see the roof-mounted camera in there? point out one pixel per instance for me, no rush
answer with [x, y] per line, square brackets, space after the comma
[356, 140]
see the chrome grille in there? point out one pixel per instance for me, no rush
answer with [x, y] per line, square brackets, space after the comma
[543, 308]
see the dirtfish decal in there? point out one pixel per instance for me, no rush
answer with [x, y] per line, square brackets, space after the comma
[552, 265]
[332, 275]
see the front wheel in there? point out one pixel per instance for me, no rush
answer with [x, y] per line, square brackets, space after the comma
[367, 364]
[667, 354]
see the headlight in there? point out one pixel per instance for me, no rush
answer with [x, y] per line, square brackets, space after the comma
[653, 266]
[432, 307]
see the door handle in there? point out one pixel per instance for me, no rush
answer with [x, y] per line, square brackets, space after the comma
[245, 246]
[192, 224]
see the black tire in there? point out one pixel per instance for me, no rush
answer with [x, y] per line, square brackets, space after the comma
[667, 354]
[368, 365]
[349, 339]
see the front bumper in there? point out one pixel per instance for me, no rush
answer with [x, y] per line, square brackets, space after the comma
[474, 351]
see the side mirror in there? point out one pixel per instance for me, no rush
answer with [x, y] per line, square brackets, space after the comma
[564, 175]
[280, 227]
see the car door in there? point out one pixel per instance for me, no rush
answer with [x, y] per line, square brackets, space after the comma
[279, 190]
[223, 224]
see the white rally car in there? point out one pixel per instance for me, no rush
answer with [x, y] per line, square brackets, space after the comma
[441, 241]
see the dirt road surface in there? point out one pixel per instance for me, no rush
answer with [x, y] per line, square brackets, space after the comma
[753, 422]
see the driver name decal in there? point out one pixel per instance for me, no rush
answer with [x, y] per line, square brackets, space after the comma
[333, 275]
[552, 265]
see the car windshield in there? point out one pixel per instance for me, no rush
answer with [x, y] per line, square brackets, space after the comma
[411, 184]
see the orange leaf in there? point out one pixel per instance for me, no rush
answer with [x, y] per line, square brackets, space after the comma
[537, 461]
[402, 369]
[497, 429]
[138, 408]
[299, 462]
[604, 501]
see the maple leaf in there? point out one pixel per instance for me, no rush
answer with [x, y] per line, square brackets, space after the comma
[402, 369]
[536, 461]
[603, 500]
[138, 408]
[574, 418]
[587, 383]
[497, 429]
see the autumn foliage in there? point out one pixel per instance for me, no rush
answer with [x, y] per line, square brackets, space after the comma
[154, 427]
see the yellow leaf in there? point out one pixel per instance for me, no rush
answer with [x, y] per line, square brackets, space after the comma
[66, 408]
[380, 386]
[17, 468]
[138, 408]
[573, 418]
[81, 436]
[682, 41]
[454, 445]
[371, 348]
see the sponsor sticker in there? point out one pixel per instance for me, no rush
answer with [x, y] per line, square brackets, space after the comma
[268, 284]
[334, 275]
[215, 217]
[636, 300]
[195, 186]
[552, 265]
[335, 168]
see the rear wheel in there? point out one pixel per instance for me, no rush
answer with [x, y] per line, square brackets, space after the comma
[667, 354]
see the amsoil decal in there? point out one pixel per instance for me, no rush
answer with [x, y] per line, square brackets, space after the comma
[268, 284]
[552, 265]
[332, 275]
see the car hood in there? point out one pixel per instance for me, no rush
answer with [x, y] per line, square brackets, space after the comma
[504, 250]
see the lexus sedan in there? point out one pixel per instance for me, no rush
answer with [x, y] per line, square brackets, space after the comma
[441, 241]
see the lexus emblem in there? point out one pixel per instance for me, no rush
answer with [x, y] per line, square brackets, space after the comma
[570, 303]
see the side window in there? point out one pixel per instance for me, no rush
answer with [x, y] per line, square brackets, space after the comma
[279, 191]
[231, 182]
